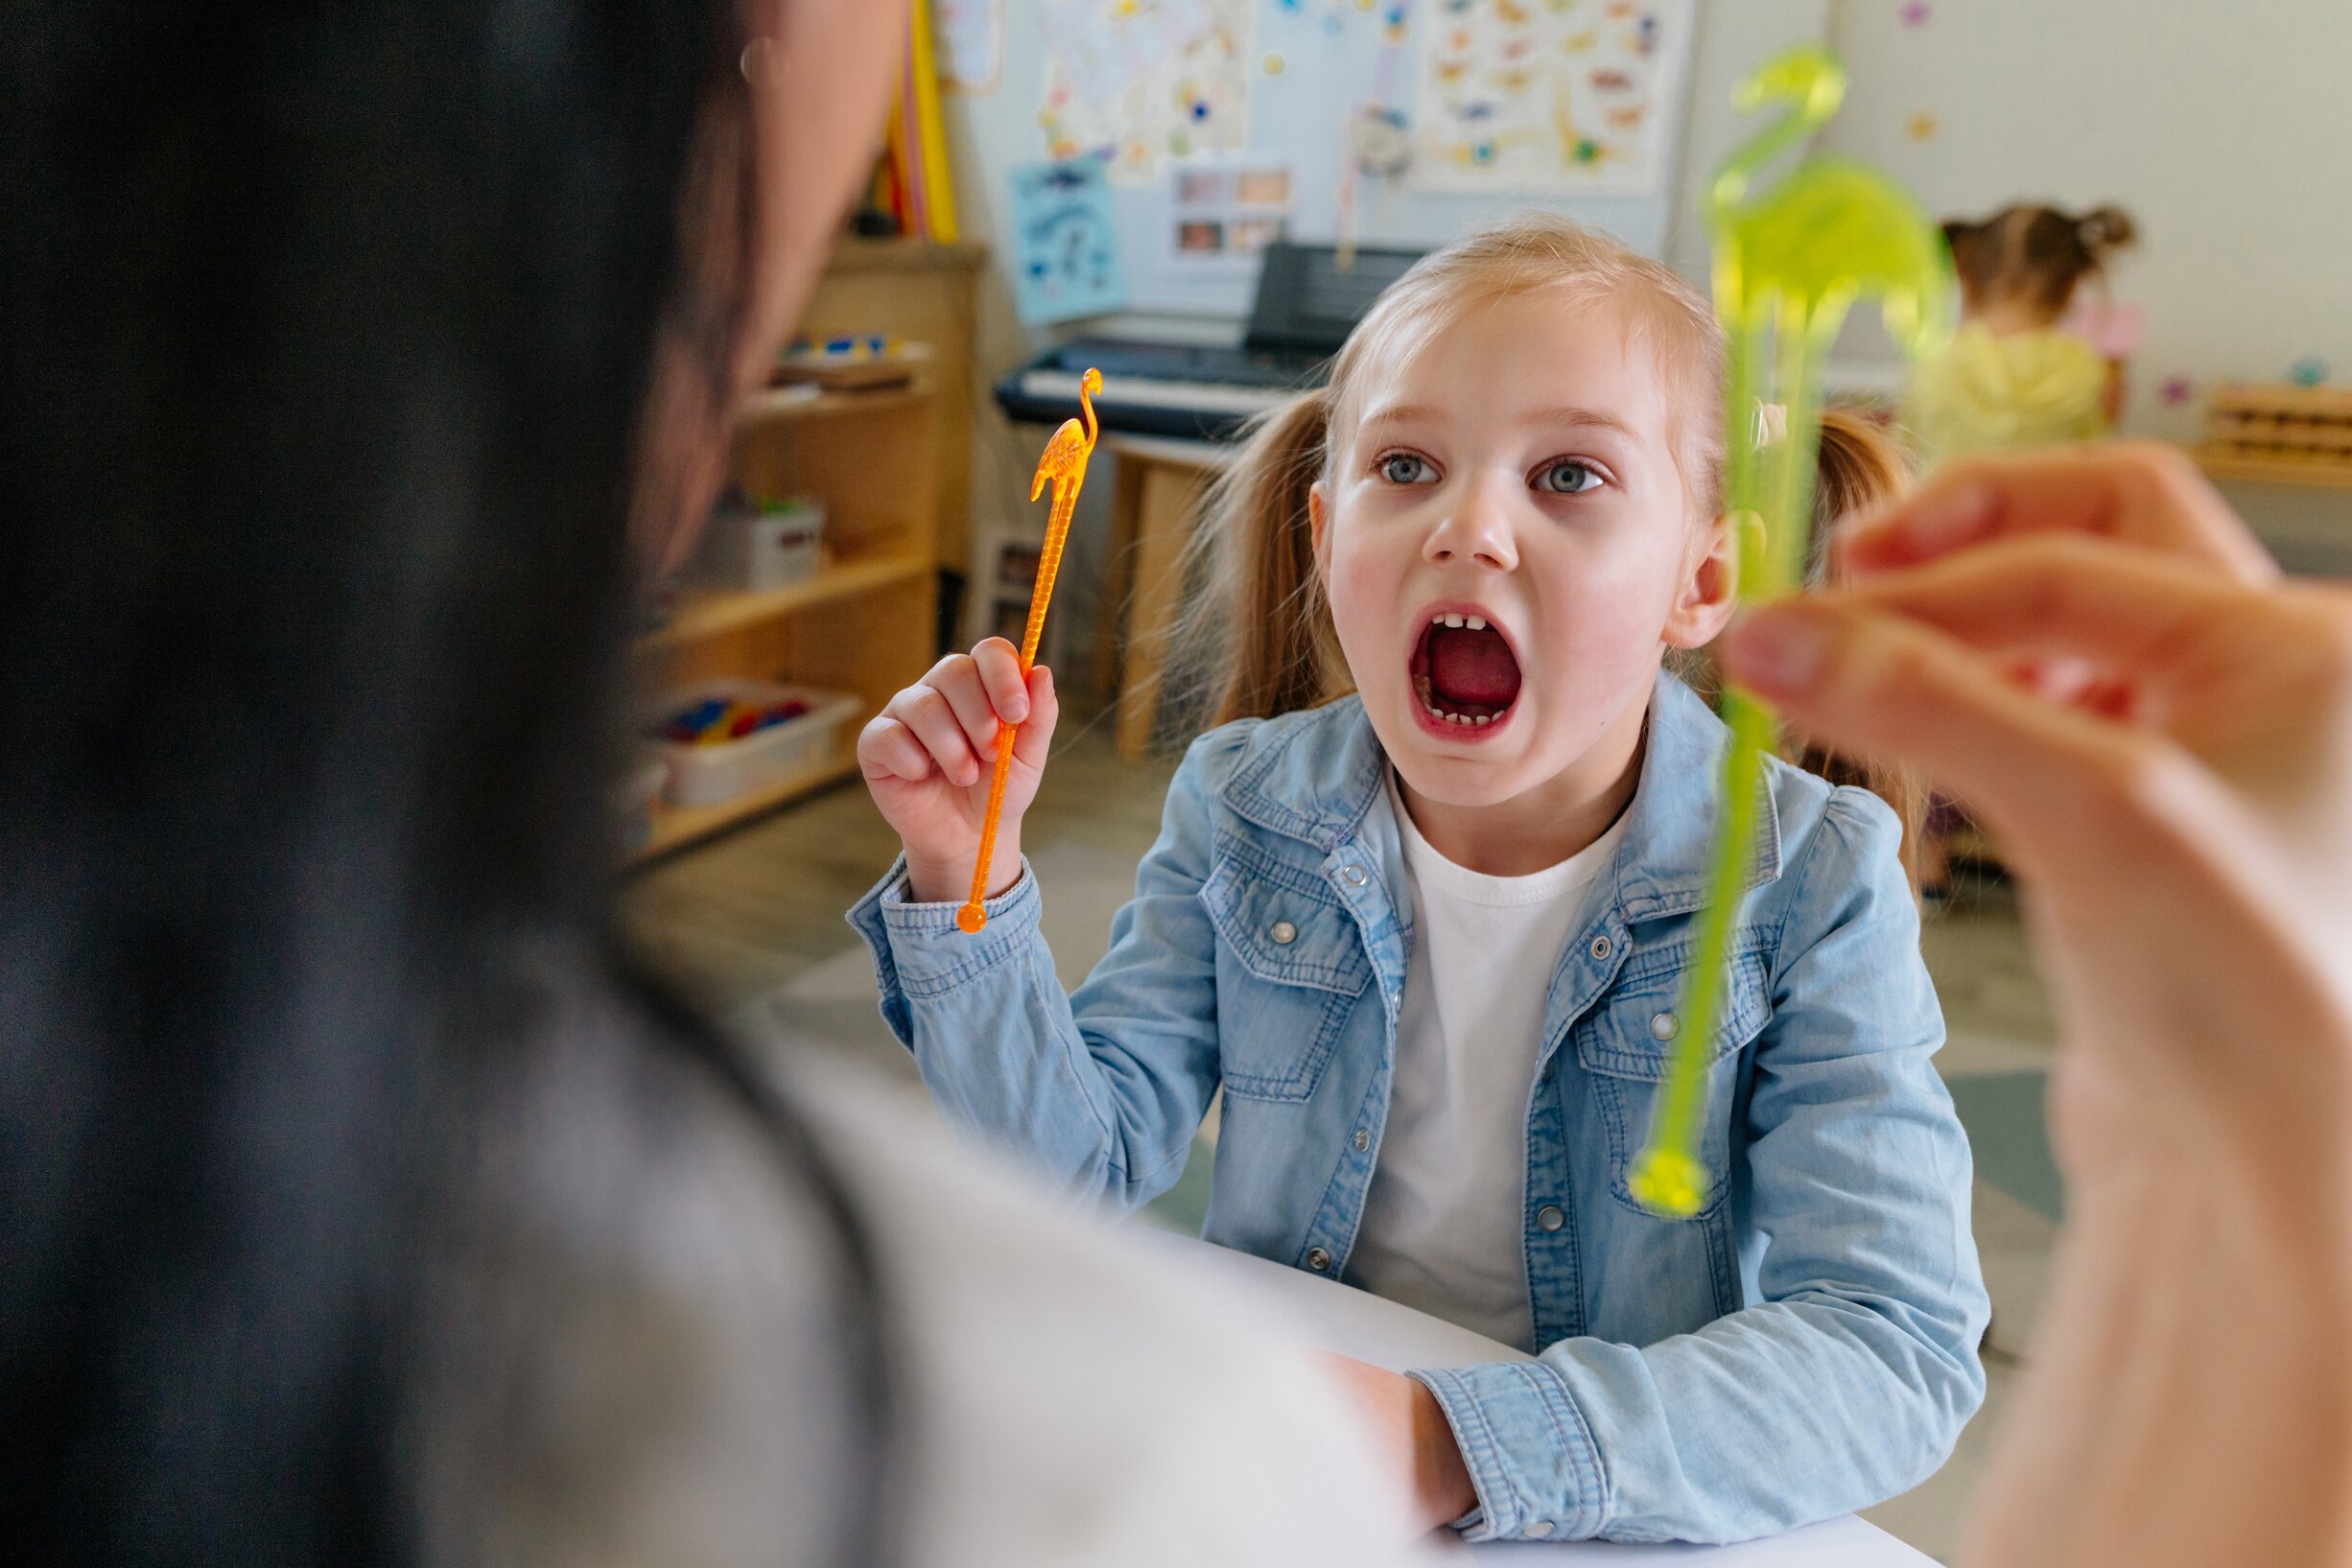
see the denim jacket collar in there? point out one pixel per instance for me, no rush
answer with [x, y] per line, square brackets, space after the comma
[1316, 780]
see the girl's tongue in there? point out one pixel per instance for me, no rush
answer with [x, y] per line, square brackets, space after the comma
[1472, 671]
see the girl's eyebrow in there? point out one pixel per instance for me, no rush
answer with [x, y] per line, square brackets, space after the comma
[1595, 419]
[1403, 413]
[1588, 418]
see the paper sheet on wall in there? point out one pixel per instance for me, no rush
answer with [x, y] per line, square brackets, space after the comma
[1560, 97]
[1064, 243]
[970, 35]
[1224, 212]
[1133, 81]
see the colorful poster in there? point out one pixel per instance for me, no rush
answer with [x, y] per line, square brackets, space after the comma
[1561, 96]
[1133, 81]
[1066, 244]
[970, 35]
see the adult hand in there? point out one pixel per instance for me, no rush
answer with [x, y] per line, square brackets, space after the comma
[2091, 650]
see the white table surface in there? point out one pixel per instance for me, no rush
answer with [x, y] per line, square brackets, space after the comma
[1325, 1315]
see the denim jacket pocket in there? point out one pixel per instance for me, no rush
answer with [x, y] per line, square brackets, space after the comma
[1291, 970]
[1628, 1043]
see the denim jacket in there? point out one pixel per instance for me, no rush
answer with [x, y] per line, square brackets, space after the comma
[1805, 1347]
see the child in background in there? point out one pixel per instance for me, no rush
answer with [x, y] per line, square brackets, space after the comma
[2010, 379]
[1422, 905]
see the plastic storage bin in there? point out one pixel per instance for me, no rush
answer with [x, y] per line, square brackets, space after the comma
[637, 797]
[711, 774]
[773, 547]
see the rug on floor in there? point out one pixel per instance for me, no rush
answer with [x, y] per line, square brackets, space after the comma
[2004, 1113]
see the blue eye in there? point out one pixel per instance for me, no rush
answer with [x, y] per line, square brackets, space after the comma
[1406, 468]
[1567, 478]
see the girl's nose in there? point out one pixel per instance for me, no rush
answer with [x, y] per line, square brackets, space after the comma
[1478, 529]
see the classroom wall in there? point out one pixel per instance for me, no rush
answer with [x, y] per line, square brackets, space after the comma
[990, 133]
[2225, 130]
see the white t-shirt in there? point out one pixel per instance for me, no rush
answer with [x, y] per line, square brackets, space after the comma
[1442, 1226]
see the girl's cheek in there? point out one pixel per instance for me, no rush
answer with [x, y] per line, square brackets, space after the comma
[1356, 574]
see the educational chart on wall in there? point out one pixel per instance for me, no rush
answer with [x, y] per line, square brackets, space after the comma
[1135, 82]
[1548, 96]
[1066, 243]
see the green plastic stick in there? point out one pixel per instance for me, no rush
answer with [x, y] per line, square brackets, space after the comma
[1789, 263]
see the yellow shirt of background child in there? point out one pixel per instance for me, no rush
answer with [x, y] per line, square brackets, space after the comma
[1993, 392]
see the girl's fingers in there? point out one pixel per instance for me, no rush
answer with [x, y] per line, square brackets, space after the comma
[888, 749]
[999, 663]
[957, 679]
[2143, 494]
[924, 711]
[1873, 684]
[1032, 740]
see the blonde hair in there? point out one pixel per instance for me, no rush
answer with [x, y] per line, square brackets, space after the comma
[1861, 467]
[1257, 640]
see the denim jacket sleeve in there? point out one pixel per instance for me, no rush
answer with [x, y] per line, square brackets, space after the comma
[1849, 1377]
[1103, 1089]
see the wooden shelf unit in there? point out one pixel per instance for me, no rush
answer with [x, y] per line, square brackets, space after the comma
[925, 292]
[701, 615]
[2270, 434]
[865, 623]
[2315, 473]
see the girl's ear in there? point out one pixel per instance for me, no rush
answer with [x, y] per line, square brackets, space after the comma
[1710, 586]
[1319, 525]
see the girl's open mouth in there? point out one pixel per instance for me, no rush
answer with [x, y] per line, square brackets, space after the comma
[1465, 675]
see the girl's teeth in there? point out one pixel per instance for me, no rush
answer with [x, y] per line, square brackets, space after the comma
[1483, 719]
[1476, 623]
[1449, 620]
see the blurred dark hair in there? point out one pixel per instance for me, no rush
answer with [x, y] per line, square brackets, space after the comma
[2036, 254]
[326, 336]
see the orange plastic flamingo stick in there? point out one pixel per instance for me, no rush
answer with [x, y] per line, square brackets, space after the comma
[1063, 463]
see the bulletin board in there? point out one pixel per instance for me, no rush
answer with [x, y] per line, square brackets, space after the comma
[1497, 104]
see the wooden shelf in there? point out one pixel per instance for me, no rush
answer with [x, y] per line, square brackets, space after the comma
[708, 614]
[790, 402]
[2315, 474]
[853, 254]
[676, 827]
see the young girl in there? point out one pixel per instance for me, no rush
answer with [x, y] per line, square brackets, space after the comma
[2011, 378]
[1430, 936]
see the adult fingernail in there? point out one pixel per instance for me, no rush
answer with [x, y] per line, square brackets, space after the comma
[1777, 650]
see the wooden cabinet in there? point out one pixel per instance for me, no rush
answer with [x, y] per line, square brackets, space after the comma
[867, 623]
[893, 469]
[924, 293]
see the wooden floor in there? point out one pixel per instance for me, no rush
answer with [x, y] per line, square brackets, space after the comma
[740, 915]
